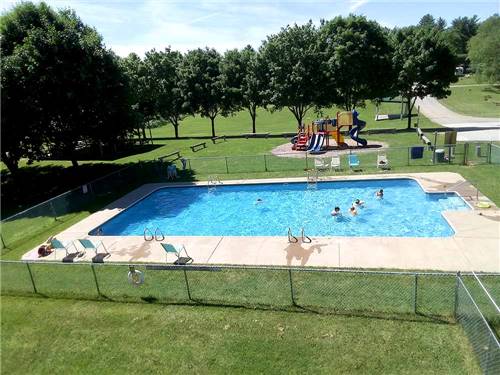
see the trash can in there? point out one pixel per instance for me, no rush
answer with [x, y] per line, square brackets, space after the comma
[440, 155]
[417, 152]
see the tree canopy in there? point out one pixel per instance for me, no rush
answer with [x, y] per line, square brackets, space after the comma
[357, 58]
[60, 85]
[424, 65]
[484, 50]
[294, 70]
[203, 86]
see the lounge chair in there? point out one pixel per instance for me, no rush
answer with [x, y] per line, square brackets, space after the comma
[319, 164]
[89, 245]
[55, 244]
[169, 248]
[382, 161]
[335, 163]
[353, 161]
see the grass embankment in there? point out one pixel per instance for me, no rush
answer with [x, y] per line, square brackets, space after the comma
[470, 98]
[40, 336]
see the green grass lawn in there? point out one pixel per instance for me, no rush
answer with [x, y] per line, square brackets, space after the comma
[49, 335]
[482, 101]
[281, 122]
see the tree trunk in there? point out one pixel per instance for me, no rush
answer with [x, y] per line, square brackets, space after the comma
[253, 114]
[74, 162]
[410, 108]
[11, 163]
[176, 129]
[297, 114]
[212, 119]
[144, 132]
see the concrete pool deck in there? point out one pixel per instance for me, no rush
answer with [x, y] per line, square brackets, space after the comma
[474, 247]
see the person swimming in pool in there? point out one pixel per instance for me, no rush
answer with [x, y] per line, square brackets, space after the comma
[359, 203]
[380, 194]
[336, 212]
[353, 211]
[259, 201]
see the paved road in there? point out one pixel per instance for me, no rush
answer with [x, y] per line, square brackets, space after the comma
[438, 113]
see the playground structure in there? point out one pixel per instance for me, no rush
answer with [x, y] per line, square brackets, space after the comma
[316, 136]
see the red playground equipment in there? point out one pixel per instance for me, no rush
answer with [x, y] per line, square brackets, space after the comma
[316, 137]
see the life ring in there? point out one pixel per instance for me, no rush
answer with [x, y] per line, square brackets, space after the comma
[135, 277]
[483, 204]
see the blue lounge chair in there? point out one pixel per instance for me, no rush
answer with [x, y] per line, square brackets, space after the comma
[353, 161]
[169, 248]
[55, 244]
[89, 245]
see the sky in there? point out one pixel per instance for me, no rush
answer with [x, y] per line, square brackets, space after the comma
[139, 26]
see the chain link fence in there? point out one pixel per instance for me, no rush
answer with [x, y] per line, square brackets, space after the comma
[479, 330]
[418, 295]
[399, 157]
[69, 206]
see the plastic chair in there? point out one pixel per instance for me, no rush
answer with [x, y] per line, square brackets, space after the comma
[169, 248]
[55, 244]
[382, 161]
[89, 245]
[335, 162]
[353, 161]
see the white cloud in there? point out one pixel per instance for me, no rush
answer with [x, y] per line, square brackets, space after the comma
[356, 4]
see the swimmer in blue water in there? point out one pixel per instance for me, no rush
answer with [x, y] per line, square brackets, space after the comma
[336, 212]
[380, 194]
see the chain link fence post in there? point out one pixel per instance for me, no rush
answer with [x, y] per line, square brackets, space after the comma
[227, 168]
[187, 285]
[455, 304]
[415, 293]
[292, 294]
[53, 210]
[265, 163]
[95, 279]
[31, 278]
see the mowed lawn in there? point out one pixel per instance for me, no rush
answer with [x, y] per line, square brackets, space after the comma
[479, 100]
[64, 336]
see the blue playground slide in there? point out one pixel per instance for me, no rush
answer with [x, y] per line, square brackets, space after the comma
[316, 143]
[354, 132]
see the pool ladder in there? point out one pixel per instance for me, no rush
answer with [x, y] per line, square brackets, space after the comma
[157, 235]
[212, 183]
[303, 237]
[312, 179]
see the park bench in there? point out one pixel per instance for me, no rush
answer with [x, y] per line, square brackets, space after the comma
[198, 146]
[173, 156]
[215, 139]
[256, 135]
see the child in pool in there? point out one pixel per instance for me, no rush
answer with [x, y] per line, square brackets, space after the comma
[353, 211]
[359, 203]
[336, 212]
[380, 194]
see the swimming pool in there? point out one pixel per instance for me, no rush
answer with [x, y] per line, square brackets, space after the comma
[233, 210]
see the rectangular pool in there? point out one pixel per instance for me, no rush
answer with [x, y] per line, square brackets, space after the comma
[233, 210]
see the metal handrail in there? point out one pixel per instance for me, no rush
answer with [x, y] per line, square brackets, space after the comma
[291, 237]
[145, 232]
[305, 239]
[159, 233]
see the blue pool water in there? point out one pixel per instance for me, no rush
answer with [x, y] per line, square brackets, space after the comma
[406, 210]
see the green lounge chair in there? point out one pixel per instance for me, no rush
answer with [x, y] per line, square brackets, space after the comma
[169, 248]
[55, 244]
[89, 245]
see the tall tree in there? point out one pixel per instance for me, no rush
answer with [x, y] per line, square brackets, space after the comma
[462, 29]
[294, 73]
[71, 84]
[423, 63]
[484, 50]
[357, 55]
[141, 94]
[244, 73]
[162, 72]
[202, 85]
